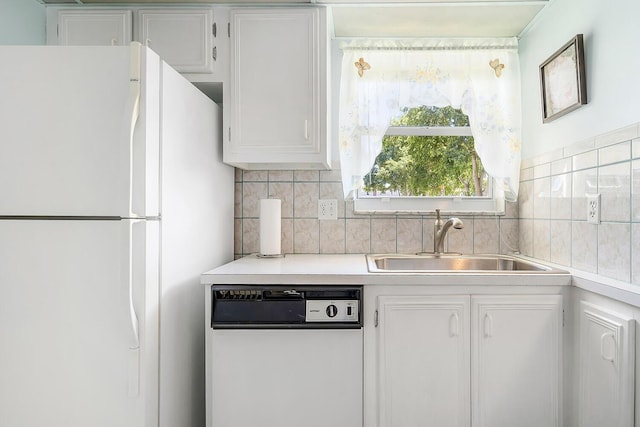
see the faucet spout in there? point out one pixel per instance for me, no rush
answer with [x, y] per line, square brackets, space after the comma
[440, 230]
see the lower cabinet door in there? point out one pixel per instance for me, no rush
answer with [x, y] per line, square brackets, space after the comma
[516, 359]
[423, 361]
[606, 368]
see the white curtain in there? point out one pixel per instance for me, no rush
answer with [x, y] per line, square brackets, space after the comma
[480, 76]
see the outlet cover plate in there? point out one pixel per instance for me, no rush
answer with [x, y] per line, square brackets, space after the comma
[593, 208]
[327, 209]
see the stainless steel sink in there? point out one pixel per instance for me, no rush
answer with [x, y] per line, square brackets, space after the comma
[429, 263]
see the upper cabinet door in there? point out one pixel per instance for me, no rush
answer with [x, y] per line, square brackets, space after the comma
[94, 27]
[278, 97]
[181, 37]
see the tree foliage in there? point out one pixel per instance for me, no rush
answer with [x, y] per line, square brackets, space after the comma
[428, 165]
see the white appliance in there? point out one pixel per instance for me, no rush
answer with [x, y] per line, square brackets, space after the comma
[113, 200]
[284, 356]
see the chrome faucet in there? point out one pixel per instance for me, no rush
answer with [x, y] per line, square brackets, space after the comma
[440, 231]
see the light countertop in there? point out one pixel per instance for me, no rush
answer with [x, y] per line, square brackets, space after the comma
[351, 269]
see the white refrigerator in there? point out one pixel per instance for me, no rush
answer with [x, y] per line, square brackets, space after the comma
[113, 200]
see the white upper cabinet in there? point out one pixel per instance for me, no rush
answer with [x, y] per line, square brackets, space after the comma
[183, 38]
[191, 40]
[277, 104]
[606, 368]
[94, 27]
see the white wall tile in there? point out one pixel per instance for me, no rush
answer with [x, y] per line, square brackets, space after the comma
[306, 236]
[255, 175]
[561, 166]
[635, 151]
[383, 235]
[635, 254]
[560, 244]
[614, 186]
[284, 192]
[614, 251]
[542, 171]
[541, 239]
[286, 176]
[525, 200]
[486, 236]
[614, 153]
[526, 237]
[541, 198]
[250, 236]
[635, 191]
[252, 192]
[332, 236]
[584, 246]
[358, 236]
[560, 202]
[305, 199]
[584, 182]
[509, 241]
[585, 160]
[409, 235]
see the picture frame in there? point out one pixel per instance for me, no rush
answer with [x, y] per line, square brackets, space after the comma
[562, 80]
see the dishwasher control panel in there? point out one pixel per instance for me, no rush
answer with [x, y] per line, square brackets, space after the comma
[332, 310]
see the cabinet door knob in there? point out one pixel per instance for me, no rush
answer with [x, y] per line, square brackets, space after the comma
[114, 42]
[306, 129]
[612, 357]
[147, 42]
[454, 330]
[488, 326]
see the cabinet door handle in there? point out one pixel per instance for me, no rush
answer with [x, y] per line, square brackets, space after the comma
[147, 42]
[604, 336]
[488, 326]
[454, 325]
[114, 42]
[215, 53]
[306, 129]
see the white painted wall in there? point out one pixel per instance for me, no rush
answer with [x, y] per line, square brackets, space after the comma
[611, 34]
[22, 22]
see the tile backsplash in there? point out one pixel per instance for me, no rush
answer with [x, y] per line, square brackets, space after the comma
[553, 206]
[549, 222]
[302, 232]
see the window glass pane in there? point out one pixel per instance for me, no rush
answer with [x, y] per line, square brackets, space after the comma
[440, 163]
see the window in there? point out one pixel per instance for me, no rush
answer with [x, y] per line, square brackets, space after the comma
[428, 161]
[428, 124]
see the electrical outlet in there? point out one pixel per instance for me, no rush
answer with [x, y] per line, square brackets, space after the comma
[593, 208]
[327, 209]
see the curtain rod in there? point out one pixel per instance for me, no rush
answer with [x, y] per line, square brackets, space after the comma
[504, 47]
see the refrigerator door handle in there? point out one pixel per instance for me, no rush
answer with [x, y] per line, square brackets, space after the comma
[132, 112]
[133, 368]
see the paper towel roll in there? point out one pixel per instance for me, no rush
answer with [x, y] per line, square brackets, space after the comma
[270, 226]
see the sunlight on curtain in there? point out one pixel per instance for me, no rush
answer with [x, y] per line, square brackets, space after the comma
[480, 76]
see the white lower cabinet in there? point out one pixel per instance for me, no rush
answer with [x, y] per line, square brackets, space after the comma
[423, 350]
[490, 361]
[516, 360]
[606, 368]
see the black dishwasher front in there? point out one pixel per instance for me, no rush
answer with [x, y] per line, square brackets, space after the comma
[285, 306]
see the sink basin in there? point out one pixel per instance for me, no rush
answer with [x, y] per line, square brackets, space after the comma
[429, 263]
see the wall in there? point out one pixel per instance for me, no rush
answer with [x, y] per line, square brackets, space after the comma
[553, 206]
[594, 149]
[22, 22]
[613, 93]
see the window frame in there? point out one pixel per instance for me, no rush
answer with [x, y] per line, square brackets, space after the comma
[491, 204]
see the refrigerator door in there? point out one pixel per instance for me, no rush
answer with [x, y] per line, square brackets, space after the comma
[79, 323]
[66, 120]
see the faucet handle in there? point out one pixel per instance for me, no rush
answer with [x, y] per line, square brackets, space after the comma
[437, 215]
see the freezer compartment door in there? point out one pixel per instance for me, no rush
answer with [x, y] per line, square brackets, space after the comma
[79, 323]
[79, 131]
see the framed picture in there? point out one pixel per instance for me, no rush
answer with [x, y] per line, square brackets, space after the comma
[562, 80]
